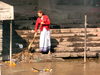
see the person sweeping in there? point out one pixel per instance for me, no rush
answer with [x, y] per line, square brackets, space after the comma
[43, 25]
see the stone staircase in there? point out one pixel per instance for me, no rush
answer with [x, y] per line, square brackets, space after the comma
[68, 42]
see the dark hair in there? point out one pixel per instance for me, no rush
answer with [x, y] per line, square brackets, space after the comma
[40, 11]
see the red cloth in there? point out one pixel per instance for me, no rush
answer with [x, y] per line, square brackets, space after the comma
[46, 24]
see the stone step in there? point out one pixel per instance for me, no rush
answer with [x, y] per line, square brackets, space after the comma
[72, 34]
[71, 44]
[72, 49]
[52, 35]
[74, 30]
[69, 39]
[74, 54]
[82, 45]
[37, 45]
[62, 35]
[74, 39]
[82, 42]
[79, 44]
[78, 49]
[77, 33]
[52, 40]
[68, 30]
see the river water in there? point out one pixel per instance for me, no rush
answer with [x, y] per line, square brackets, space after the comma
[68, 67]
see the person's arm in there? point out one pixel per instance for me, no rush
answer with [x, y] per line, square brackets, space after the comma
[36, 25]
[46, 20]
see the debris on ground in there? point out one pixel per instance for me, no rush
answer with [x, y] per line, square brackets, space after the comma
[10, 63]
[27, 56]
[43, 70]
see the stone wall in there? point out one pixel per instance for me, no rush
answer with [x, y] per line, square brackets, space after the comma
[60, 11]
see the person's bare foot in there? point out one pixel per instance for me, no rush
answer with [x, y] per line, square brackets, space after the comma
[49, 52]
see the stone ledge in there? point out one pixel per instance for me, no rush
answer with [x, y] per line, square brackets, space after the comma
[75, 54]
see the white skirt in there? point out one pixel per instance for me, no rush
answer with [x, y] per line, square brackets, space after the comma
[45, 42]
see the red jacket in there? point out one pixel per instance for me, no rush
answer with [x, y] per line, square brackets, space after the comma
[45, 25]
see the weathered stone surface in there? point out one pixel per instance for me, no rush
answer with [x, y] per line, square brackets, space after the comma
[62, 54]
[75, 54]
[92, 54]
[55, 8]
[68, 40]
[62, 49]
[69, 30]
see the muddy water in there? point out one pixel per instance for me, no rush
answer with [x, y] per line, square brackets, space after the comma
[68, 67]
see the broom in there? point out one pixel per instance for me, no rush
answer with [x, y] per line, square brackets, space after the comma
[29, 46]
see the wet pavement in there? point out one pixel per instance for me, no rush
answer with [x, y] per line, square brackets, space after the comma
[68, 67]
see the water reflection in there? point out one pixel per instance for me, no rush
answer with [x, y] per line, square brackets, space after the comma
[45, 73]
[84, 68]
[0, 70]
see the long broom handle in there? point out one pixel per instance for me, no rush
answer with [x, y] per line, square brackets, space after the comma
[33, 39]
